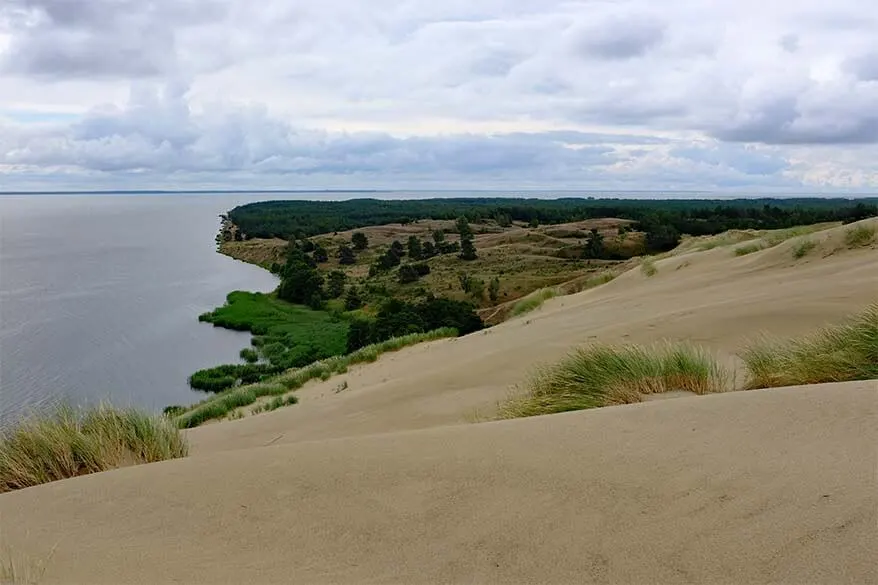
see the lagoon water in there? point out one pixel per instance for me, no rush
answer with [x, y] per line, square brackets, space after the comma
[100, 295]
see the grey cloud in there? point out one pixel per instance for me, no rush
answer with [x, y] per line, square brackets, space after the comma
[864, 67]
[620, 38]
[789, 43]
[93, 39]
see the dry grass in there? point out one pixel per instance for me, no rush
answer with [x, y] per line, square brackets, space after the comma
[648, 267]
[833, 354]
[18, 570]
[69, 443]
[748, 249]
[803, 248]
[859, 236]
[603, 375]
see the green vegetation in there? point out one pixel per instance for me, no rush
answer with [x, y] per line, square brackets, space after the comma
[222, 404]
[832, 354]
[748, 249]
[533, 301]
[286, 335]
[70, 443]
[604, 375]
[859, 236]
[662, 220]
[648, 267]
[803, 248]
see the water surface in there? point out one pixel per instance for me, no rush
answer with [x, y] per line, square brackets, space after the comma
[99, 298]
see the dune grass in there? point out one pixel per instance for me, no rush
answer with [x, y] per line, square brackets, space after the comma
[219, 406]
[648, 267]
[859, 236]
[748, 249]
[533, 301]
[68, 443]
[832, 354]
[603, 375]
[803, 248]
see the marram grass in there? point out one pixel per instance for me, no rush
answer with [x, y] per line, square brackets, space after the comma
[838, 353]
[69, 443]
[603, 375]
[533, 301]
[219, 406]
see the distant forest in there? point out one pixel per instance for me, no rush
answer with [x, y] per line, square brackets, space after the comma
[662, 220]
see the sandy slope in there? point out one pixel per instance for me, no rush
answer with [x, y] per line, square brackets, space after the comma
[387, 482]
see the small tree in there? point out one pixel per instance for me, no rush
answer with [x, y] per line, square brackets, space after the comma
[494, 289]
[428, 250]
[467, 248]
[396, 248]
[465, 280]
[320, 255]
[534, 223]
[438, 237]
[352, 300]
[416, 251]
[346, 255]
[477, 289]
[407, 274]
[335, 284]
[594, 244]
[359, 241]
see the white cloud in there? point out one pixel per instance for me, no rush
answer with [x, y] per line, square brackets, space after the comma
[455, 93]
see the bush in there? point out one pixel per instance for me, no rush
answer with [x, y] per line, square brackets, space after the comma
[69, 443]
[748, 249]
[648, 267]
[605, 375]
[249, 355]
[833, 354]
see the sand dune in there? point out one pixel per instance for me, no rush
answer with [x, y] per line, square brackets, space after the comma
[387, 481]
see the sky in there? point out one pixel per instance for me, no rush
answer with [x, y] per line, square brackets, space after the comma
[716, 95]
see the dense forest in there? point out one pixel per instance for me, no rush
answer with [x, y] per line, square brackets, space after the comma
[664, 219]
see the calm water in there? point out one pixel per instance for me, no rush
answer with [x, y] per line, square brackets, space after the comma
[99, 298]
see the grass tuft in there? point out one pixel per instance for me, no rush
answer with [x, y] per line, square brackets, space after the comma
[803, 249]
[604, 375]
[533, 301]
[69, 443]
[859, 236]
[832, 354]
[648, 267]
[748, 249]
[219, 406]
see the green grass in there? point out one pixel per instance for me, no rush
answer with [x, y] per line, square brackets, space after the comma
[748, 249]
[833, 354]
[859, 236]
[533, 301]
[68, 443]
[648, 267]
[604, 375]
[220, 405]
[803, 248]
[287, 335]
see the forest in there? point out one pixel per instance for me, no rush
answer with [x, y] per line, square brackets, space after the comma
[665, 219]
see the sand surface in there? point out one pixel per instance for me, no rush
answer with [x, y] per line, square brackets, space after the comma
[390, 482]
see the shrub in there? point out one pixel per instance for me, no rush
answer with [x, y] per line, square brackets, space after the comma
[604, 375]
[648, 267]
[249, 355]
[69, 443]
[832, 354]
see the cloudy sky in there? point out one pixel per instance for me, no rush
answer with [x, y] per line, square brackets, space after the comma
[731, 95]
